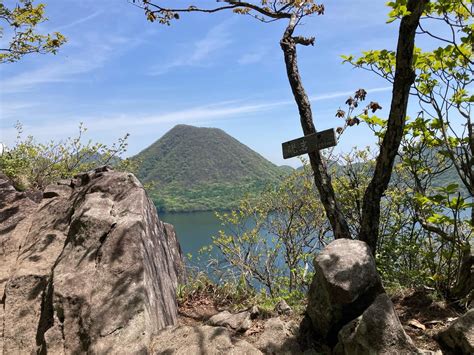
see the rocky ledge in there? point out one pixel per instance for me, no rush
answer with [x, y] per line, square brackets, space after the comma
[85, 268]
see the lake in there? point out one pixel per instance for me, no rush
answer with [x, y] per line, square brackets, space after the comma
[194, 229]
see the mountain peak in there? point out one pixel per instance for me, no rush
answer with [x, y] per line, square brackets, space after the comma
[189, 157]
[189, 128]
[189, 154]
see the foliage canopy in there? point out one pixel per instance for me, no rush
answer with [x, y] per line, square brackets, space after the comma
[19, 24]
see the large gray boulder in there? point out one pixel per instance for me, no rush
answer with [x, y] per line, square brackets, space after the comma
[377, 331]
[87, 270]
[458, 338]
[205, 340]
[344, 285]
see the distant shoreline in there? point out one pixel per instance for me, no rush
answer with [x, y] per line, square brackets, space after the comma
[191, 211]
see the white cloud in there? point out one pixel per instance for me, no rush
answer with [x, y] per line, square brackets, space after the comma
[335, 95]
[91, 55]
[10, 109]
[51, 74]
[79, 21]
[252, 57]
[121, 123]
[202, 51]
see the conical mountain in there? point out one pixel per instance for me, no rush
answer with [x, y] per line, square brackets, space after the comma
[196, 168]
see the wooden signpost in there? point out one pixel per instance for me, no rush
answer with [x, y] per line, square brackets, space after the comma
[309, 143]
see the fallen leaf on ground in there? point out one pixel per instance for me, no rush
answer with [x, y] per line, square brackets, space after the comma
[416, 324]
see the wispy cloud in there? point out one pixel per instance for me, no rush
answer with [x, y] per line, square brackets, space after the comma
[11, 109]
[90, 56]
[216, 39]
[79, 21]
[336, 95]
[252, 57]
[51, 74]
[121, 123]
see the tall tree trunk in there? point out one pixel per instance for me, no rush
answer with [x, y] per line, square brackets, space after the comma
[464, 286]
[321, 177]
[404, 78]
[470, 164]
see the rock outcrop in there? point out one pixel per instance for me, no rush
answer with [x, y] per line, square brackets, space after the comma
[15, 207]
[458, 338]
[345, 283]
[377, 331]
[90, 268]
[175, 254]
[187, 340]
[348, 307]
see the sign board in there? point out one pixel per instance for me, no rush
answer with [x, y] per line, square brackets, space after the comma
[309, 143]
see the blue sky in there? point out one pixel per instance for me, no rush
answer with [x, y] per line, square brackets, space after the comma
[120, 74]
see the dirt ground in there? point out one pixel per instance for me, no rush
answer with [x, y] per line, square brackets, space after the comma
[421, 316]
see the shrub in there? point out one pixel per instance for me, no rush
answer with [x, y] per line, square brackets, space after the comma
[33, 165]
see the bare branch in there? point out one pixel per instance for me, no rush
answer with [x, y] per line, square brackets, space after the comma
[304, 40]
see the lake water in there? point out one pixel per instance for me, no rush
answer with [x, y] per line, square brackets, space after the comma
[194, 229]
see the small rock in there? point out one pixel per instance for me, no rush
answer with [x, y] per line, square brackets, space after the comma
[254, 312]
[279, 337]
[52, 191]
[458, 338]
[103, 169]
[433, 322]
[66, 182]
[239, 322]
[283, 308]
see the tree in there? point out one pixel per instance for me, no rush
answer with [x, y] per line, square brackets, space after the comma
[22, 21]
[294, 11]
[271, 240]
[442, 136]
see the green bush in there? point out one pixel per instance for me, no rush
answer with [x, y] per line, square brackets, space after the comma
[33, 165]
[270, 241]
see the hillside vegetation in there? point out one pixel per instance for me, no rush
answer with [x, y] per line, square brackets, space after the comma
[197, 169]
[202, 169]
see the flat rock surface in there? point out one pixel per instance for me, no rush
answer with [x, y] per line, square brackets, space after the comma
[279, 337]
[200, 340]
[239, 322]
